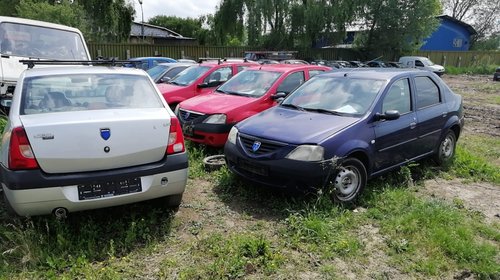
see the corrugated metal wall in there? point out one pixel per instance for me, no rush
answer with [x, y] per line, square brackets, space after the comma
[125, 51]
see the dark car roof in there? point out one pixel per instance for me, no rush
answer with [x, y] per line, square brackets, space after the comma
[373, 73]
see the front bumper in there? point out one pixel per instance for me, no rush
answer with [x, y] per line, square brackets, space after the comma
[209, 134]
[279, 173]
[34, 192]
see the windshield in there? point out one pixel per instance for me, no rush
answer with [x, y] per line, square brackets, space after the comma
[157, 71]
[82, 92]
[252, 83]
[427, 62]
[41, 42]
[189, 75]
[335, 95]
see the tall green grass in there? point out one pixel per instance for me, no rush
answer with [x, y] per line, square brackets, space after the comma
[471, 70]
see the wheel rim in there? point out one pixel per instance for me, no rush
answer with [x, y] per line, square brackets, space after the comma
[447, 147]
[347, 182]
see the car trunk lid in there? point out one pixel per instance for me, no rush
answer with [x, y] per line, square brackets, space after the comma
[97, 140]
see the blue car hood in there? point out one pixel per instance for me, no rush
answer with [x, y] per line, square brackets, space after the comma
[293, 126]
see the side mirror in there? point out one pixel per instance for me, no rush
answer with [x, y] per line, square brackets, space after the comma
[388, 115]
[210, 84]
[279, 95]
[165, 80]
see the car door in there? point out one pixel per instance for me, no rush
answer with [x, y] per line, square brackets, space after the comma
[432, 112]
[218, 77]
[291, 82]
[396, 139]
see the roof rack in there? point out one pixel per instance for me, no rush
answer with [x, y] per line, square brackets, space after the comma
[201, 59]
[244, 59]
[32, 62]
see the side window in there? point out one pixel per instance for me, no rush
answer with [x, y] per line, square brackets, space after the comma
[398, 97]
[291, 82]
[219, 75]
[173, 72]
[427, 92]
[313, 73]
[419, 63]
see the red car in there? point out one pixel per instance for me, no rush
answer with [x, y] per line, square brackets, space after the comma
[200, 78]
[207, 119]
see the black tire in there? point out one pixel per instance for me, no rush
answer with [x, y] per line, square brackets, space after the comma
[349, 181]
[213, 163]
[173, 201]
[446, 149]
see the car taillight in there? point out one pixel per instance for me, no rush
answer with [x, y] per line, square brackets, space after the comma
[175, 138]
[20, 154]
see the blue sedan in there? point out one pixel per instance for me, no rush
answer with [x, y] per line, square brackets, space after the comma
[340, 129]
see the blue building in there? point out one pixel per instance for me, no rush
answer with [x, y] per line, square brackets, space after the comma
[451, 35]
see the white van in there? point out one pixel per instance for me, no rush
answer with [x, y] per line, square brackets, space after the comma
[31, 39]
[421, 62]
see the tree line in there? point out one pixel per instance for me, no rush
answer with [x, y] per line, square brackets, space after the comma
[393, 25]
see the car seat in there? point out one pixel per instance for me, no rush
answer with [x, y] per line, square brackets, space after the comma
[54, 99]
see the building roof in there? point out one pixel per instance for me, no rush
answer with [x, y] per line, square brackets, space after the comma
[155, 31]
[469, 28]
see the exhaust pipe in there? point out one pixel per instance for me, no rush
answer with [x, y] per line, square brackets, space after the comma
[60, 213]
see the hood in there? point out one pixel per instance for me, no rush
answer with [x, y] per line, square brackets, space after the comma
[216, 103]
[293, 126]
[436, 68]
[168, 88]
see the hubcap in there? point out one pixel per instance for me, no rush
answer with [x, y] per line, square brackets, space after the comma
[447, 147]
[347, 181]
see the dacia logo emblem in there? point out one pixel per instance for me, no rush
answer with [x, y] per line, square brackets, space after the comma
[105, 133]
[186, 115]
[256, 146]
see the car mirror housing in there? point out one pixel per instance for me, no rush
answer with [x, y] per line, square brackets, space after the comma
[165, 80]
[279, 95]
[388, 115]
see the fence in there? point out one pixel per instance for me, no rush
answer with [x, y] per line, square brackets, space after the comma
[125, 51]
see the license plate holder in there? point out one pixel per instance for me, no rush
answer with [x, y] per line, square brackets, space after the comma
[253, 168]
[103, 189]
[188, 129]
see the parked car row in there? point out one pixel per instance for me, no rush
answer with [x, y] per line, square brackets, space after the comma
[75, 139]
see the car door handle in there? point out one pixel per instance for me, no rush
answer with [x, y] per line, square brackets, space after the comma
[413, 125]
[445, 114]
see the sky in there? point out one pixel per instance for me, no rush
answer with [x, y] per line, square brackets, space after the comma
[179, 8]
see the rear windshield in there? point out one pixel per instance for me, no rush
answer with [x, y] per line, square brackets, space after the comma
[82, 92]
[41, 42]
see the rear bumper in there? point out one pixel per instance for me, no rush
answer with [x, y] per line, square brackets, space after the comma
[278, 173]
[53, 191]
[35, 179]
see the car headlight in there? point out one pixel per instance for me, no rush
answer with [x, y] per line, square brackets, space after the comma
[231, 138]
[216, 119]
[307, 153]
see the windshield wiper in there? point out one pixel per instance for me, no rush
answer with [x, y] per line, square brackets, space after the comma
[292, 106]
[323, 111]
[175, 83]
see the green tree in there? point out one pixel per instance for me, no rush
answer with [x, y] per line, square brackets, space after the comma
[187, 27]
[397, 25]
[64, 13]
[108, 20]
[8, 7]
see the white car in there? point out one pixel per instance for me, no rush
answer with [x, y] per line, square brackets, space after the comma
[86, 137]
[422, 63]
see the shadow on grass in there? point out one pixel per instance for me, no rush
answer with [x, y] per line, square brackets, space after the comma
[47, 244]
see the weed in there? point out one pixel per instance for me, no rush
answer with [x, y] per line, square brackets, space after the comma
[480, 69]
[470, 166]
[420, 231]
